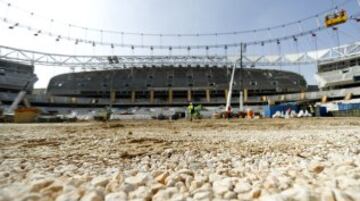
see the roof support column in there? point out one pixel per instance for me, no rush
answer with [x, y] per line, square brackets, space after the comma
[189, 95]
[170, 96]
[208, 96]
[152, 96]
[133, 96]
[113, 96]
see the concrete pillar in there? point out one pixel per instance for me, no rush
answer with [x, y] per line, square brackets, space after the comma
[170, 96]
[73, 100]
[208, 97]
[133, 96]
[348, 96]
[189, 95]
[270, 102]
[152, 96]
[113, 96]
[324, 99]
[302, 96]
[241, 101]
[246, 95]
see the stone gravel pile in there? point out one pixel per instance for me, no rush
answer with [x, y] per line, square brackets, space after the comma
[320, 163]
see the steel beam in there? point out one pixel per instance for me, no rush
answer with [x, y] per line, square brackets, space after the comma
[102, 62]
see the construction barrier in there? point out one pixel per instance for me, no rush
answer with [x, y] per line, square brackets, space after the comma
[346, 113]
[348, 106]
[321, 112]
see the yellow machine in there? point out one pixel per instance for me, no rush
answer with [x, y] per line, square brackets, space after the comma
[336, 18]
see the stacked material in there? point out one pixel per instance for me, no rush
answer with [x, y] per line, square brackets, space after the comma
[26, 115]
[271, 110]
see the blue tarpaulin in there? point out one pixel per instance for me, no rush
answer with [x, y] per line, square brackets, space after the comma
[270, 110]
[348, 106]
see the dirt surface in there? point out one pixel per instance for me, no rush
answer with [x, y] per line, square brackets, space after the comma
[307, 153]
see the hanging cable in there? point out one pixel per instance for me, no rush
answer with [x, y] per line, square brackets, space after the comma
[269, 34]
[51, 27]
[122, 38]
[58, 38]
[179, 41]
[226, 61]
[38, 31]
[226, 54]
[112, 49]
[151, 51]
[262, 47]
[170, 51]
[356, 27]
[335, 29]
[333, 5]
[318, 22]
[161, 46]
[142, 40]
[296, 42]
[216, 39]
[346, 34]
[314, 36]
[7, 15]
[85, 35]
[93, 47]
[281, 26]
[332, 36]
[280, 53]
[301, 29]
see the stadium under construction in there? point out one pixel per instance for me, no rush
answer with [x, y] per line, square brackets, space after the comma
[177, 80]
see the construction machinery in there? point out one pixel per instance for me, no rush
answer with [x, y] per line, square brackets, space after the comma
[26, 114]
[338, 17]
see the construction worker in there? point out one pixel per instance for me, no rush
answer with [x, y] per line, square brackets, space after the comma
[342, 13]
[191, 111]
[197, 110]
[108, 113]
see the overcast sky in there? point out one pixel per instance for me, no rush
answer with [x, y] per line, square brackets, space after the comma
[166, 16]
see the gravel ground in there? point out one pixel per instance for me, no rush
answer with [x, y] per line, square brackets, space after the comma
[297, 159]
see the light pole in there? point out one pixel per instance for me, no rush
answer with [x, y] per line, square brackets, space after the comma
[228, 101]
[241, 96]
[111, 88]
